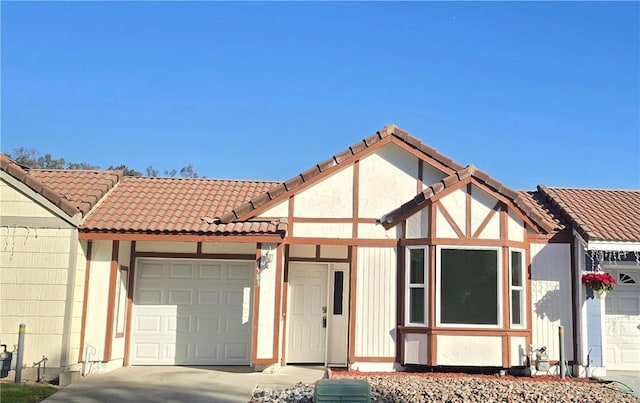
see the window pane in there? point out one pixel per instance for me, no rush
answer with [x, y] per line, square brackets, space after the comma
[516, 268]
[469, 286]
[338, 284]
[516, 318]
[416, 267]
[416, 307]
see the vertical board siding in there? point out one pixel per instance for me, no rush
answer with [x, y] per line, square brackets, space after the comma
[375, 330]
[551, 297]
[33, 272]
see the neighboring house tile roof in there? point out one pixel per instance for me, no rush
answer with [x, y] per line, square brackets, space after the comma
[388, 131]
[22, 174]
[599, 214]
[521, 201]
[178, 205]
[83, 188]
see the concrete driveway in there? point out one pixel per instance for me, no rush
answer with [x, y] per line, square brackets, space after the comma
[628, 378]
[181, 384]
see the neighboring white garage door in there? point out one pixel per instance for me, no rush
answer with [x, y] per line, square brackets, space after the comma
[622, 321]
[192, 312]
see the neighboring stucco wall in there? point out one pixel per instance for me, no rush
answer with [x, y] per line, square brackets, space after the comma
[551, 297]
[375, 330]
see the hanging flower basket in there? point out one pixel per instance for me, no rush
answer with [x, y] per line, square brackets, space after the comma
[599, 282]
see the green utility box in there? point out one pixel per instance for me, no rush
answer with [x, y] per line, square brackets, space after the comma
[342, 390]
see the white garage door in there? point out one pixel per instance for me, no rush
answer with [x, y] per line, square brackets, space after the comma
[622, 321]
[192, 312]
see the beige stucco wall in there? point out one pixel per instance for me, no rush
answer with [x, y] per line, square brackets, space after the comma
[97, 301]
[329, 198]
[388, 178]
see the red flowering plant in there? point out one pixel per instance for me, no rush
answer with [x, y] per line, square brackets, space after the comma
[598, 281]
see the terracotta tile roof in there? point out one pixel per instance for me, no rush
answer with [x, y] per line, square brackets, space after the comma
[83, 188]
[172, 205]
[22, 174]
[599, 214]
[418, 202]
[391, 130]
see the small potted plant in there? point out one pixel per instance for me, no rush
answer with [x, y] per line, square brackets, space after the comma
[599, 282]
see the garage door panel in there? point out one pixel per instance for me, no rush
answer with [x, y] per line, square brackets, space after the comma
[193, 313]
[150, 297]
[209, 297]
[179, 297]
[210, 271]
[181, 271]
[208, 324]
[239, 272]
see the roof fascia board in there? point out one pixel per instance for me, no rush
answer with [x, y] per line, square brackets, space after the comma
[461, 183]
[99, 236]
[306, 183]
[616, 246]
[422, 156]
[40, 199]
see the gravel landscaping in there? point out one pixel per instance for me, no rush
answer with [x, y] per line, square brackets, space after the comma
[402, 387]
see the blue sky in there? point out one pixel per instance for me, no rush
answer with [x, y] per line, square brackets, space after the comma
[529, 92]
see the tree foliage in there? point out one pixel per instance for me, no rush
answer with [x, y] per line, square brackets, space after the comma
[33, 159]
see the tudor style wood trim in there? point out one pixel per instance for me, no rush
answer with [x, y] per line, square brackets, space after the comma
[278, 306]
[345, 163]
[108, 341]
[374, 359]
[421, 156]
[506, 306]
[355, 211]
[449, 219]
[401, 283]
[212, 256]
[353, 276]
[129, 316]
[467, 200]
[506, 351]
[341, 241]
[563, 236]
[285, 304]
[487, 219]
[464, 242]
[463, 331]
[290, 212]
[136, 236]
[432, 251]
[256, 302]
[420, 182]
[85, 301]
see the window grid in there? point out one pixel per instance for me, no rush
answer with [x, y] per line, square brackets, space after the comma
[416, 288]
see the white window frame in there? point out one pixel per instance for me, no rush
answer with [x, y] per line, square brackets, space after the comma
[499, 297]
[409, 286]
[121, 301]
[522, 288]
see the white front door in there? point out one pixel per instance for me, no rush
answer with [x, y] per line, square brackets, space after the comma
[622, 321]
[307, 313]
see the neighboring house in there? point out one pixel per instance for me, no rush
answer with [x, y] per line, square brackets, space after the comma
[385, 255]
